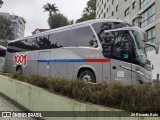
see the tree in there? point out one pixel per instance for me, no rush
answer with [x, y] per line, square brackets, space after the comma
[5, 30]
[89, 12]
[57, 20]
[51, 8]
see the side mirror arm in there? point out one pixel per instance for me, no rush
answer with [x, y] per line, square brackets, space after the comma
[149, 44]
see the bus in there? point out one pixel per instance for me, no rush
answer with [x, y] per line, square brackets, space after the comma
[2, 57]
[103, 50]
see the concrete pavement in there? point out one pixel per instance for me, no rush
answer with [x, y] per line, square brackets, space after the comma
[7, 106]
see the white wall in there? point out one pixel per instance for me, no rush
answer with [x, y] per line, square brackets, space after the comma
[155, 59]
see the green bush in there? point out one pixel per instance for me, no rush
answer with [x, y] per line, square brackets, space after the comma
[142, 98]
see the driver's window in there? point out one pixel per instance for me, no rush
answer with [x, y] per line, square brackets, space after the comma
[121, 48]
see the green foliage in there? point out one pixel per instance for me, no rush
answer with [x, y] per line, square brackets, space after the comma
[51, 8]
[141, 98]
[57, 20]
[89, 11]
[5, 30]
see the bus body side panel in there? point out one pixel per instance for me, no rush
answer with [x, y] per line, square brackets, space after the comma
[66, 62]
[140, 74]
[106, 72]
[32, 65]
[29, 64]
[121, 71]
[135, 76]
[9, 63]
[85, 58]
[59, 64]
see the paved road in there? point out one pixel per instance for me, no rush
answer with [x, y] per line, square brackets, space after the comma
[7, 106]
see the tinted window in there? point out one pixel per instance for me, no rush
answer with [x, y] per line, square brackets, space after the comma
[82, 37]
[17, 46]
[55, 40]
[59, 39]
[121, 46]
[43, 42]
[2, 53]
[100, 27]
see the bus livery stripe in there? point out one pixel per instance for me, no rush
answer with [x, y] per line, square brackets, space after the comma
[76, 60]
[97, 60]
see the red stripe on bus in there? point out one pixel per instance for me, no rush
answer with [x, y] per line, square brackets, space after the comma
[97, 60]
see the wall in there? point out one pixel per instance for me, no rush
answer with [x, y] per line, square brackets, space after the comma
[37, 99]
[155, 59]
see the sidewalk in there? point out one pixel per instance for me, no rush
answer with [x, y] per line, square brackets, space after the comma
[7, 106]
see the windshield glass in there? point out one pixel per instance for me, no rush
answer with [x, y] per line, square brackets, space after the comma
[139, 47]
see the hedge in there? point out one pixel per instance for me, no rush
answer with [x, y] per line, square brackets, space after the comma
[133, 98]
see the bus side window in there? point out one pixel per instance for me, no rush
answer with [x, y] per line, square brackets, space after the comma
[83, 36]
[2, 53]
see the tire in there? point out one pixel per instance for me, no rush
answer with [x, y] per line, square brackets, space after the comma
[19, 70]
[88, 76]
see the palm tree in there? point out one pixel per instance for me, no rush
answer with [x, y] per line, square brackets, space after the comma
[51, 8]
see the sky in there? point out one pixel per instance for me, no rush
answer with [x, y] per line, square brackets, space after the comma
[33, 13]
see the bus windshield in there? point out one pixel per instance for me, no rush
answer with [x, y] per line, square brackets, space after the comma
[139, 47]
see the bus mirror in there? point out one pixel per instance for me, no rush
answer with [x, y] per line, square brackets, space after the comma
[156, 47]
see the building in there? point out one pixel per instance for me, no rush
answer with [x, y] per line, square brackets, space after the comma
[39, 30]
[17, 24]
[128, 10]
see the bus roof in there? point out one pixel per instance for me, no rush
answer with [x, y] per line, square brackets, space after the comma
[70, 26]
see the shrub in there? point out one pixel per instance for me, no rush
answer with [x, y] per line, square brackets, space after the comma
[142, 98]
[18, 76]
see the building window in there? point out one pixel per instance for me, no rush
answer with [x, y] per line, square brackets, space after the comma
[107, 10]
[125, 0]
[126, 12]
[104, 5]
[104, 15]
[101, 11]
[112, 13]
[151, 33]
[148, 16]
[143, 3]
[116, 8]
[133, 5]
[112, 2]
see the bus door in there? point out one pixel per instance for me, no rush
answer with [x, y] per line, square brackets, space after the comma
[59, 67]
[44, 66]
[121, 57]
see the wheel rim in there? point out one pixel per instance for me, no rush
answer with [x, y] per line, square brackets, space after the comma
[87, 78]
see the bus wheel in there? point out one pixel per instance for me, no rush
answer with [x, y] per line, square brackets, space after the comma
[19, 70]
[88, 76]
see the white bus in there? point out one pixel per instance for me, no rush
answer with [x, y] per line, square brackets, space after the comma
[94, 51]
